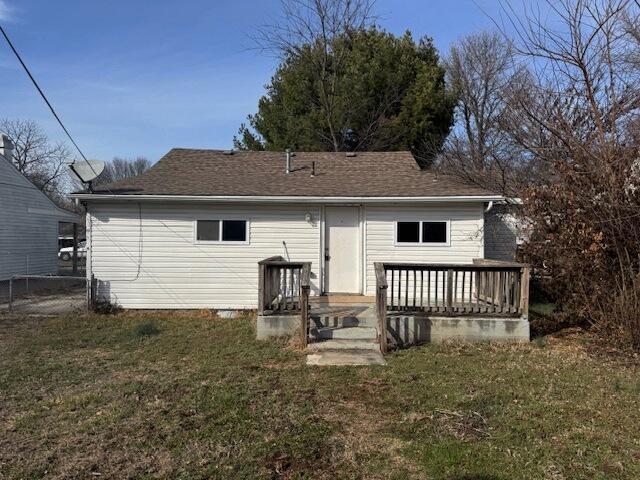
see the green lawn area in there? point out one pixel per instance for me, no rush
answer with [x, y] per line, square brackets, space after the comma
[193, 396]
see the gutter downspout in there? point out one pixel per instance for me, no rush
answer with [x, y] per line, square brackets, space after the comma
[488, 207]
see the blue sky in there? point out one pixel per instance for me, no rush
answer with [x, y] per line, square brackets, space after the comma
[136, 78]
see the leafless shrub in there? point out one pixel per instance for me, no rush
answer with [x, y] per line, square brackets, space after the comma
[578, 123]
[104, 306]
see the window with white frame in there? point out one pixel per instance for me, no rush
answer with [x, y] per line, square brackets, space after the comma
[235, 231]
[418, 232]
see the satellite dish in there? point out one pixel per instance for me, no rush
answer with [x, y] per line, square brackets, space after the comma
[85, 171]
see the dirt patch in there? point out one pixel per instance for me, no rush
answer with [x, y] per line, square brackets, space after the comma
[590, 342]
[465, 426]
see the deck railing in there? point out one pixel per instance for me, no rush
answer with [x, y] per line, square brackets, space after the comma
[283, 287]
[486, 287]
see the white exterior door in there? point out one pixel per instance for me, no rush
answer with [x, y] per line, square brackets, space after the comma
[342, 250]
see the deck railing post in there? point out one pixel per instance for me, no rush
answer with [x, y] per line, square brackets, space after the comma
[305, 287]
[449, 307]
[304, 315]
[524, 291]
[261, 287]
[381, 310]
[381, 304]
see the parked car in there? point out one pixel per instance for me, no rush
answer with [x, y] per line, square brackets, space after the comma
[67, 241]
[66, 253]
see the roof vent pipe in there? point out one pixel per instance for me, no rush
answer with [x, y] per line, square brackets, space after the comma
[6, 147]
[288, 157]
[313, 169]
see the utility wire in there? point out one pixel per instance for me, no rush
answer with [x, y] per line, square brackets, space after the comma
[44, 97]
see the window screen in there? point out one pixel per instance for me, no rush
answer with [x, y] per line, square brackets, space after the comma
[234, 231]
[434, 232]
[408, 232]
[208, 230]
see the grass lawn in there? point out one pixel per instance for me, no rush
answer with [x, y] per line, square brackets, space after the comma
[542, 309]
[193, 396]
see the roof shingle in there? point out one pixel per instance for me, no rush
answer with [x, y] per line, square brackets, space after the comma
[213, 172]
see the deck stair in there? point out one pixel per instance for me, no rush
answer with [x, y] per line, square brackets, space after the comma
[343, 332]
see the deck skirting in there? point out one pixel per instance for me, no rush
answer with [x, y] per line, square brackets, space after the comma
[416, 328]
[272, 326]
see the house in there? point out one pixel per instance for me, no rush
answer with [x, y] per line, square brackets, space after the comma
[504, 231]
[28, 222]
[190, 232]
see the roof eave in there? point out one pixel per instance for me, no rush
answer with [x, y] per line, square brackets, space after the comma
[285, 199]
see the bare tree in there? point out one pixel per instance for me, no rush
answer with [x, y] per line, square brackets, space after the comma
[313, 22]
[481, 71]
[121, 168]
[579, 121]
[316, 24]
[36, 157]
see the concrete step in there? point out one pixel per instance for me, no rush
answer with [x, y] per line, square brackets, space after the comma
[343, 345]
[347, 333]
[340, 321]
[346, 357]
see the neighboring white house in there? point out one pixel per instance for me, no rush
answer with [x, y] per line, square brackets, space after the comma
[28, 222]
[189, 232]
[504, 231]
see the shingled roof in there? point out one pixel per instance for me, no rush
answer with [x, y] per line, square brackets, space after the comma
[217, 173]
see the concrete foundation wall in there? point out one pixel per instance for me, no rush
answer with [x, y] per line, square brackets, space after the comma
[269, 326]
[405, 330]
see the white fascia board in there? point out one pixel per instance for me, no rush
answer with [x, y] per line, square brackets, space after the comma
[282, 199]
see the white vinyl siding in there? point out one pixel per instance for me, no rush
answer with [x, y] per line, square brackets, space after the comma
[502, 233]
[28, 227]
[156, 262]
[465, 235]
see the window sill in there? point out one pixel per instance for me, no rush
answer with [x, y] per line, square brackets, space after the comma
[219, 242]
[421, 244]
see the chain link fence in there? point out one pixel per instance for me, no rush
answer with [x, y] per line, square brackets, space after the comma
[44, 295]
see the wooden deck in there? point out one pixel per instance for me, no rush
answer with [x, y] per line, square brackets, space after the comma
[485, 288]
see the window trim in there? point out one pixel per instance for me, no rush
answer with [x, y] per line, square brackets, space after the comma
[221, 220]
[420, 243]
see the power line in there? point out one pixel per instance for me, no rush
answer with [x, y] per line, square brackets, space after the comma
[46, 100]
[44, 97]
